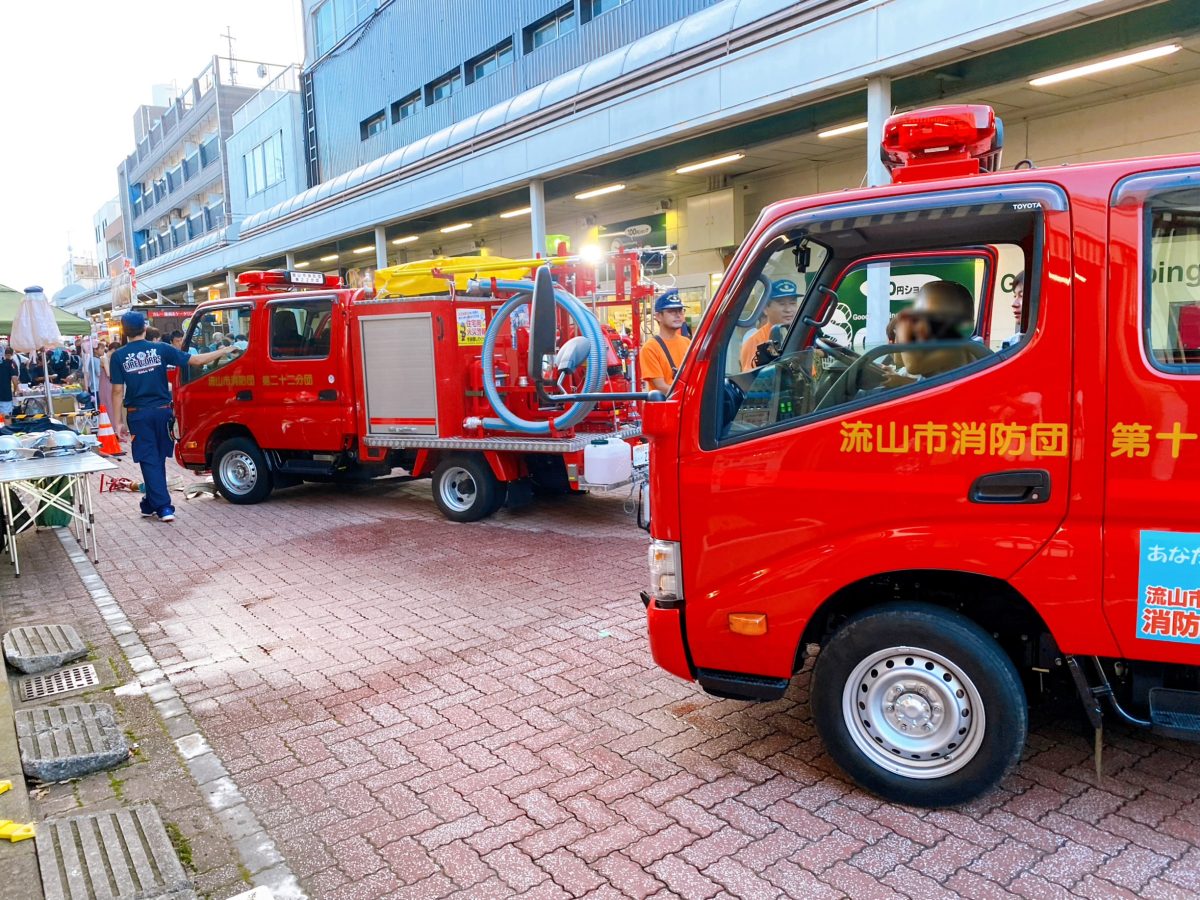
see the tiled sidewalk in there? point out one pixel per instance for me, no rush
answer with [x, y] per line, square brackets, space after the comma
[416, 709]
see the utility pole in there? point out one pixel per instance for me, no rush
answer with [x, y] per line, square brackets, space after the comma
[228, 35]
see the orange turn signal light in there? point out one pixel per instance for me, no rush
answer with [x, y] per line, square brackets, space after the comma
[750, 624]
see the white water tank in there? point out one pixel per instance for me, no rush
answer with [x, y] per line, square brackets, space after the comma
[607, 461]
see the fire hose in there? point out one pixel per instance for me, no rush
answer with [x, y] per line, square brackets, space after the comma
[588, 328]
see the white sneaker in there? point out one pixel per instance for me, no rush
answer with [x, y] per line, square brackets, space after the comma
[169, 517]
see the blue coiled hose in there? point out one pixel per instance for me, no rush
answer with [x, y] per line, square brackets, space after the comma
[588, 327]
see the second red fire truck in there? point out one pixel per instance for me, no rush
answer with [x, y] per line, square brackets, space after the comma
[430, 375]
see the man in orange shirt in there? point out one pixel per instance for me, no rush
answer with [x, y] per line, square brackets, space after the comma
[662, 354]
[781, 309]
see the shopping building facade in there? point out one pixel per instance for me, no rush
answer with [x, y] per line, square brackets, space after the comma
[592, 131]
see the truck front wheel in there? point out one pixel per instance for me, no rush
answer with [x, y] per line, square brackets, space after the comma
[465, 488]
[919, 705]
[240, 471]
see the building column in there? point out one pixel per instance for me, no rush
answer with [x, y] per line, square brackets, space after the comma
[191, 292]
[879, 277]
[380, 247]
[231, 283]
[537, 216]
[289, 260]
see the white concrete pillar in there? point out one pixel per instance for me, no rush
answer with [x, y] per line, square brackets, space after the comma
[879, 107]
[537, 216]
[380, 247]
[879, 277]
[191, 292]
[231, 283]
[289, 260]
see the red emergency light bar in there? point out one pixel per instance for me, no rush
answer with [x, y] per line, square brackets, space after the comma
[283, 279]
[942, 142]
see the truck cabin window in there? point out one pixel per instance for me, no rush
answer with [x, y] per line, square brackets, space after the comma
[858, 311]
[300, 329]
[1172, 290]
[216, 328]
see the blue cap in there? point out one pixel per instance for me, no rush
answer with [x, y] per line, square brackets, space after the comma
[34, 289]
[133, 322]
[784, 287]
[669, 300]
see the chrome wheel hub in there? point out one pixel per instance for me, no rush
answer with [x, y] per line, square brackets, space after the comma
[458, 489]
[913, 712]
[238, 472]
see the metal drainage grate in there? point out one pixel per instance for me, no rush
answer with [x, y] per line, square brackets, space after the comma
[122, 855]
[76, 678]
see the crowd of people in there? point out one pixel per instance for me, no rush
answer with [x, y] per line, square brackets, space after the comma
[80, 367]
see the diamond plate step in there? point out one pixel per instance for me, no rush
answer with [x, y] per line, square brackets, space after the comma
[123, 855]
[40, 648]
[75, 678]
[61, 742]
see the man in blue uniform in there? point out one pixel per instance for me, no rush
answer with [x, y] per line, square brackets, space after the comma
[142, 404]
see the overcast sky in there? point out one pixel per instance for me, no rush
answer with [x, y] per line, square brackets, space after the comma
[72, 72]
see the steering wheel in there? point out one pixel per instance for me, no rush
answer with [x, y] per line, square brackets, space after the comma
[843, 354]
[862, 374]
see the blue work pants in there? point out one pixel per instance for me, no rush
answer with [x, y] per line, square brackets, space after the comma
[151, 444]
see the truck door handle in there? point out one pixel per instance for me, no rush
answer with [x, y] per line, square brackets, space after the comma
[1021, 486]
[327, 395]
[244, 395]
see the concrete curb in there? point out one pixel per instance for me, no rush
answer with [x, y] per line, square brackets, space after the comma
[18, 862]
[255, 847]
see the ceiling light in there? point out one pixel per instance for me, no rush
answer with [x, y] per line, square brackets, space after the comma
[330, 258]
[461, 226]
[709, 163]
[600, 191]
[363, 249]
[591, 254]
[1105, 64]
[845, 129]
[301, 265]
[513, 213]
[406, 240]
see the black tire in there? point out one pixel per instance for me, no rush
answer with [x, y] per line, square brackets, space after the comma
[241, 472]
[465, 489]
[919, 705]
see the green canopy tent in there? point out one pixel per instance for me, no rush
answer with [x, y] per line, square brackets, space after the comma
[68, 324]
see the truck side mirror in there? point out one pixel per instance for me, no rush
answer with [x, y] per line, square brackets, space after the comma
[542, 322]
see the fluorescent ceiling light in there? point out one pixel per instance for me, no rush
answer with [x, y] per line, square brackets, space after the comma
[406, 240]
[330, 258]
[461, 226]
[1104, 65]
[302, 265]
[513, 213]
[709, 163]
[845, 129]
[600, 191]
[363, 249]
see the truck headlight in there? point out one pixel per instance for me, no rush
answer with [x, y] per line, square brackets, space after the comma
[666, 585]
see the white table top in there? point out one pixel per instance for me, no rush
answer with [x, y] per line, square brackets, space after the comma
[51, 467]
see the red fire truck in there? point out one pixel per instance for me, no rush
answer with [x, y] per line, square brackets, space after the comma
[967, 463]
[338, 384]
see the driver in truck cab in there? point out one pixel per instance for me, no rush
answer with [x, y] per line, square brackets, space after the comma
[781, 309]
[943, 311]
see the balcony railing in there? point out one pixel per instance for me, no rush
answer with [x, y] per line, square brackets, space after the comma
[210, 151]
[285, 81]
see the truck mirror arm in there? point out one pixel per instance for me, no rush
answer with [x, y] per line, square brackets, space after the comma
[644, 396]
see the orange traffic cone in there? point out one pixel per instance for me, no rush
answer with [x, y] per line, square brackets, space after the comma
[109, 445]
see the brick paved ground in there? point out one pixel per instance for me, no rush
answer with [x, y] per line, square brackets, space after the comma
[418, 709]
